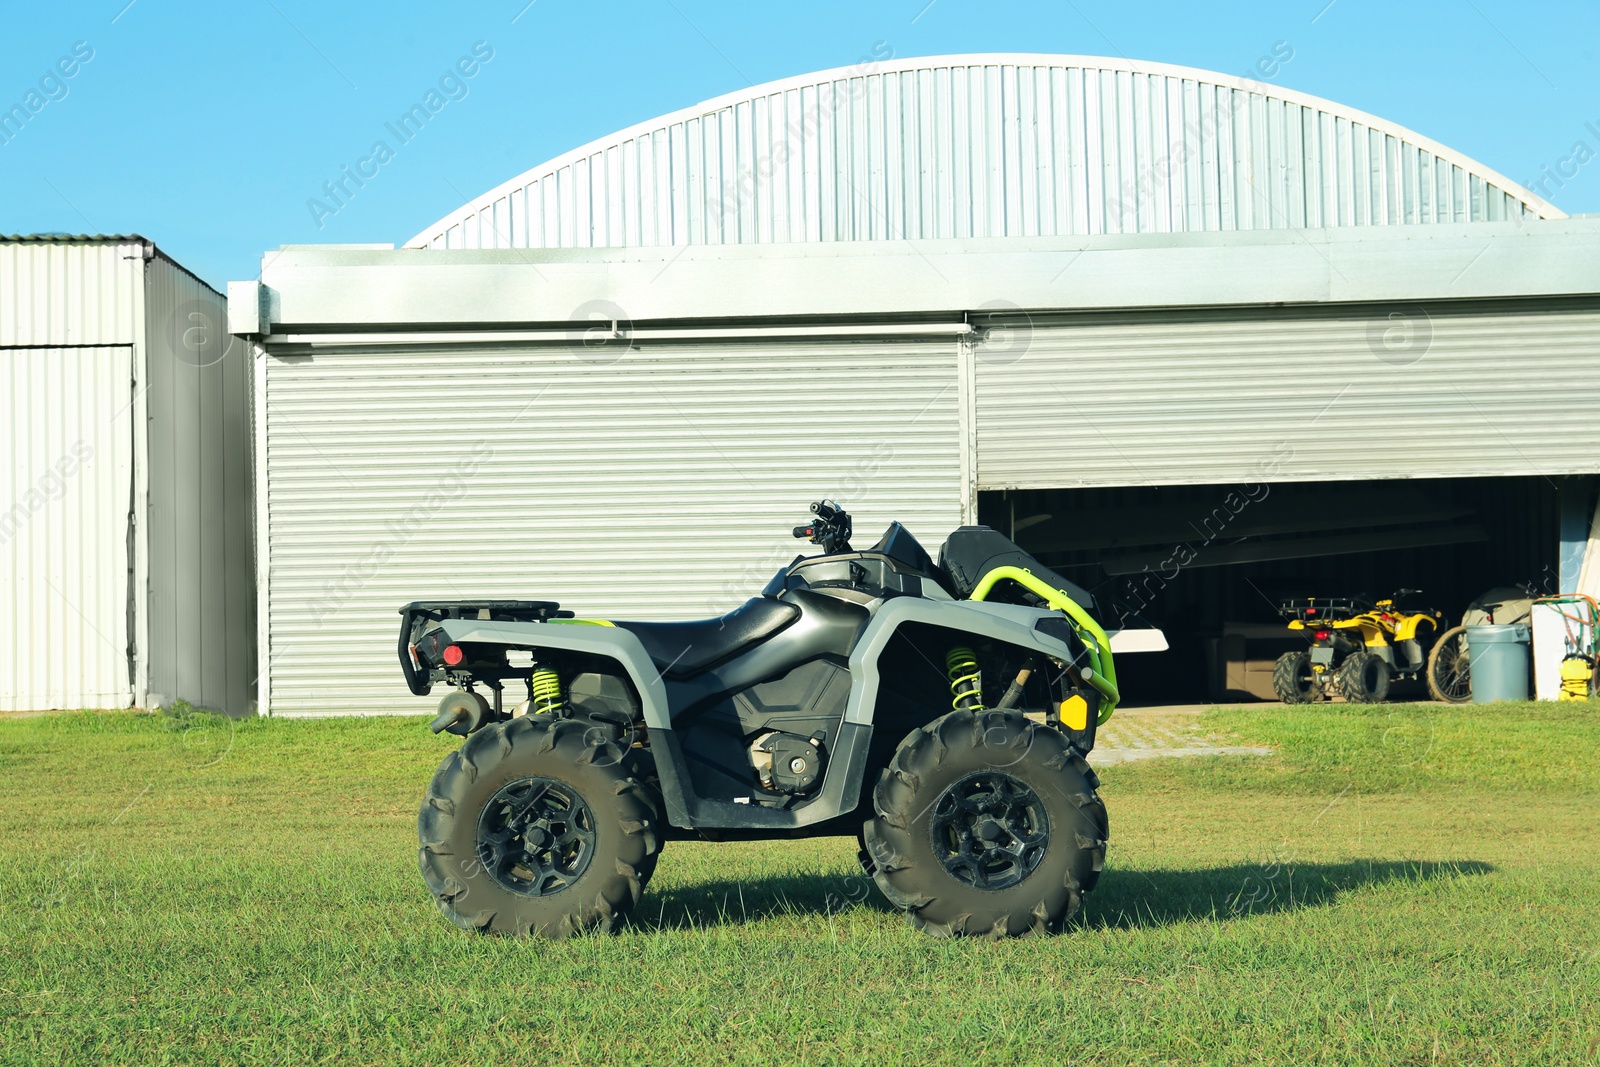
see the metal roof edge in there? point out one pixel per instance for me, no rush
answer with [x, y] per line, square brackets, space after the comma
[361, 288]
[104, 239]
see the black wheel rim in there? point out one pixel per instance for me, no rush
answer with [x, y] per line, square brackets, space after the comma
[1305, 678]
[536, 836]
[989, 830]
[1451, 673]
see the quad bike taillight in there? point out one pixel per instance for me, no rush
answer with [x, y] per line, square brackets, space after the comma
[1323, 635]
[453, 655]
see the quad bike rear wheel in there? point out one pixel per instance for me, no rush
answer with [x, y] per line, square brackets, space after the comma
[986, 824]
[1449, 668]
[537, 827]
[1293, 679]
[1364, 678]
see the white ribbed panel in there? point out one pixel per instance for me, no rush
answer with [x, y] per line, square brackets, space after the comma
[662, 484]
[70, 292]
[66, 471]
[1167, 398]
[986, 146]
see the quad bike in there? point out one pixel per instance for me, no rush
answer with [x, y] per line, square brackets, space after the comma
[1450, 660]
[872, 693]
[1355, 649]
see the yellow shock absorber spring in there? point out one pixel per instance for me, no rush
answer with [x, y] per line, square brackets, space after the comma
[548, 695]
[966, 682]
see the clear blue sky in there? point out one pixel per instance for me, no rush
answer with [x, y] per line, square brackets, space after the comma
[207, 126]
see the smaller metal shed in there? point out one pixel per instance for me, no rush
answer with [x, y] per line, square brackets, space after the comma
[126, 558]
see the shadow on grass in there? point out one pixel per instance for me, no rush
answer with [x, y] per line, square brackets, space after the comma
[729, 902]
[1124, 899]
[1139, 899]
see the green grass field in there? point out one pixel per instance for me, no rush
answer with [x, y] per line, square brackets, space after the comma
[1398, 885]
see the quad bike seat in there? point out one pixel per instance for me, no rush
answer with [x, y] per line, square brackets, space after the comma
[679, 649]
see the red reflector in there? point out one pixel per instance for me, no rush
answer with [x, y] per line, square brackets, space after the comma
[1323, 635]
[1310, 612]
[453, 655]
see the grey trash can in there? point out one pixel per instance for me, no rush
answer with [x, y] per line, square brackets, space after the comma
[1499, 663]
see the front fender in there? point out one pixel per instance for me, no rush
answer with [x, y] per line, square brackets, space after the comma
[1003, 622]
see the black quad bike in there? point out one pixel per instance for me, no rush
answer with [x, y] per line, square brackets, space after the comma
[940, 712]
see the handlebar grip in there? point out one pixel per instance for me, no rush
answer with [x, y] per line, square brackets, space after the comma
[802, 531]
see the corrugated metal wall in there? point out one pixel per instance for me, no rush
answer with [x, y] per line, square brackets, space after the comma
[990, 146]
[65, 493]
[658, 482]
[201, 566]
[71, 293]
[1290, 394]
[98, 341]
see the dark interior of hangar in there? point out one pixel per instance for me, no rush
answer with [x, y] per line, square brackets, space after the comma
[1209, 564]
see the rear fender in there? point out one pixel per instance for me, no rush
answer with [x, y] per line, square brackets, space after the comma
[604, 641]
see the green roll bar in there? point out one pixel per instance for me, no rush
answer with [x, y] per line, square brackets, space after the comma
[1101, 672]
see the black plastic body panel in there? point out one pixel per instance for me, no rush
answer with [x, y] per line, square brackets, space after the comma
[681, 649]
[973, 551]
[796, 681]
[874, 575]
[840, 793]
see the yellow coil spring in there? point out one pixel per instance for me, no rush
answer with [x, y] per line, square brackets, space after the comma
[548, 696]
[966, 684]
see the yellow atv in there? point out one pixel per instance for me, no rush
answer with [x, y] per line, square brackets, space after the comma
[1355, 649]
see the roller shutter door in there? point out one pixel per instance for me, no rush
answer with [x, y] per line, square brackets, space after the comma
[658, 482]
[1171, 398]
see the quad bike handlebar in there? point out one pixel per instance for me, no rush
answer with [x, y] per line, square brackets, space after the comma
[831, 528]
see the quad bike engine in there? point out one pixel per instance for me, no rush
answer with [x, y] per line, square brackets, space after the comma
[786, 763]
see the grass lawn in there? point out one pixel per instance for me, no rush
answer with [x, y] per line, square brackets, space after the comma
[1397, 885]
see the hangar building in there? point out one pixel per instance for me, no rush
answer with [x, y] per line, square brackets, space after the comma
[1199, 342]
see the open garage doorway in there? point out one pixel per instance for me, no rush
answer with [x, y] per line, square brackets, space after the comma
[1210, 564]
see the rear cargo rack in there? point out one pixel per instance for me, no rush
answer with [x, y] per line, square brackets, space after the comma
[419, 613]
[1319, 608]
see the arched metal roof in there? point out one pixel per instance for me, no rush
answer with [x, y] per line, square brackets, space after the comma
[1003, 145]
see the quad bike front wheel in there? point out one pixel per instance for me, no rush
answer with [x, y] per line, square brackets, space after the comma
[1364, 678]
[1293, 679]
[1449, 667]
[537, 827]
[986, 824]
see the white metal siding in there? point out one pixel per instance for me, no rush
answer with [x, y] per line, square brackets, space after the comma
[986, 146]
[66, 480]
[70, 293]
[1169, 398]
[661, 483]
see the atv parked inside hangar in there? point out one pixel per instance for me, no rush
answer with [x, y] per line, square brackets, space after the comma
[941, 712]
